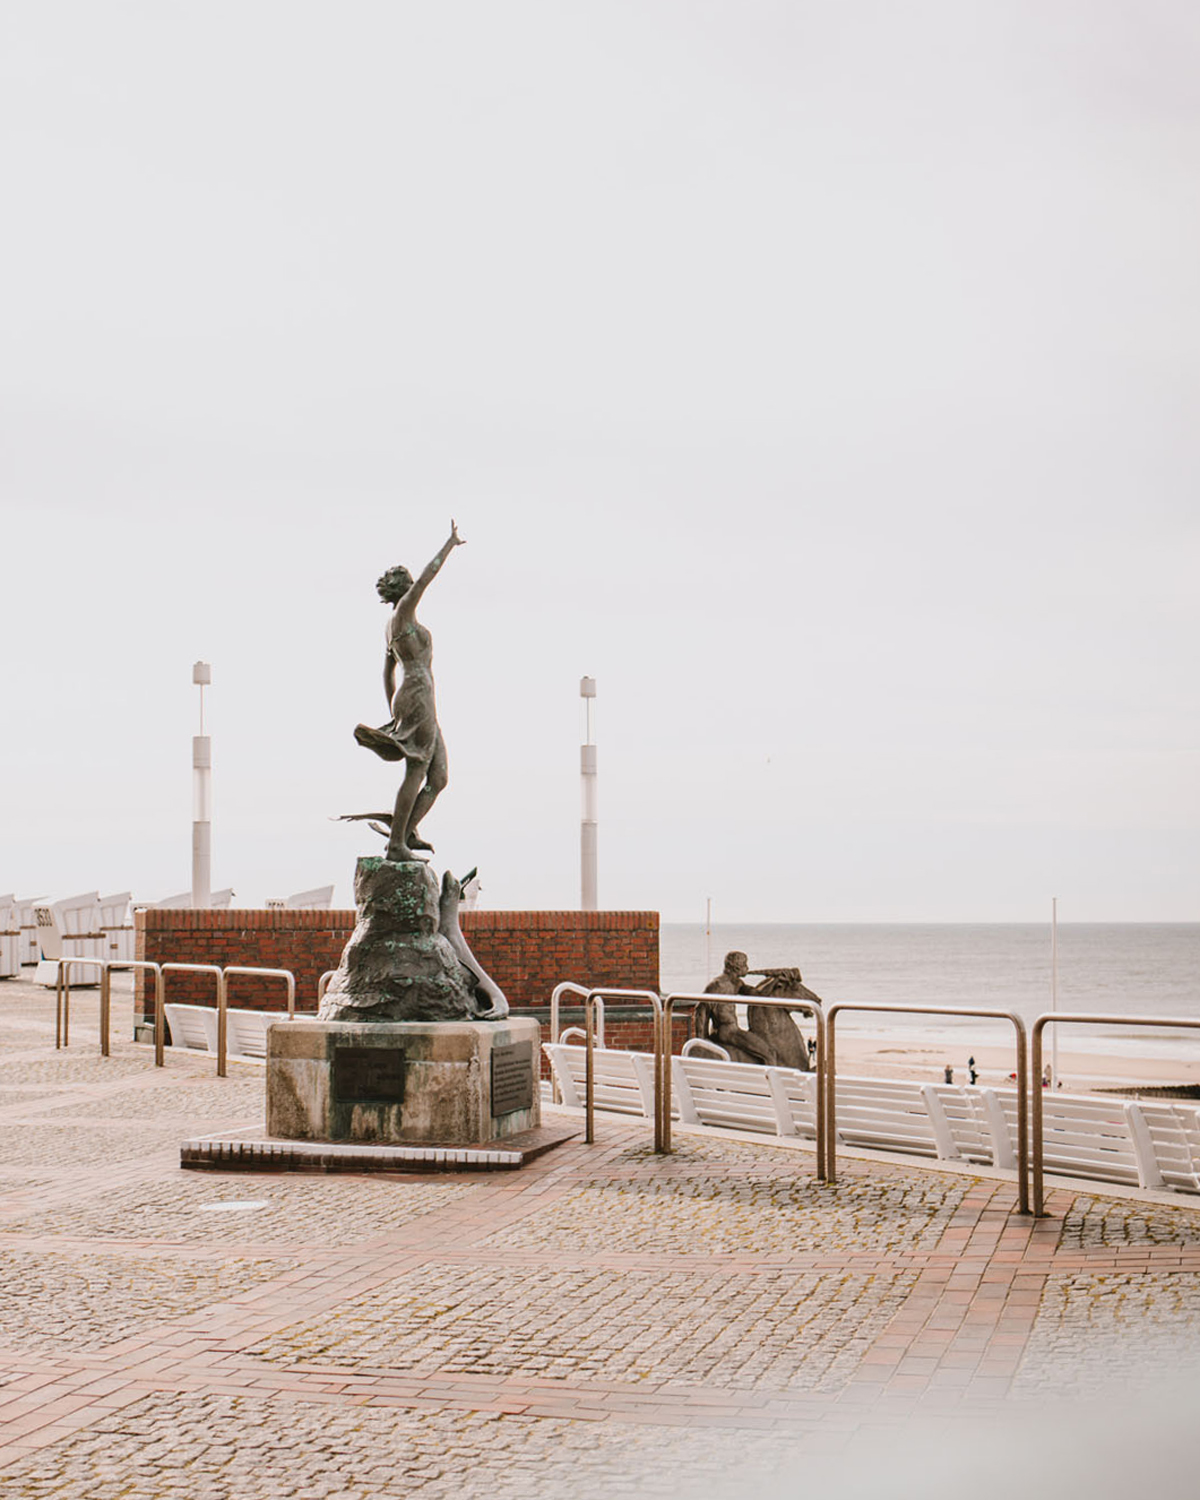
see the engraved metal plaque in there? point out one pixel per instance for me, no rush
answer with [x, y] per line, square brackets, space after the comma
[512, 1078]
[368, 1075]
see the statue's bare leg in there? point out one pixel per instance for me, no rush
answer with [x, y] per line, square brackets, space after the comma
[436, 779]
[398, 849]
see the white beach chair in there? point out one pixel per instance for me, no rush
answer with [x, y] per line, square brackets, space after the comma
[183, 902]
[27, 945]
[78, 920]
[50, 946]
[10, 938]
[319, 899]
[116, 926]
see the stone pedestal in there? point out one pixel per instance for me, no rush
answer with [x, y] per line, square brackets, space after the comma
[445, 1083]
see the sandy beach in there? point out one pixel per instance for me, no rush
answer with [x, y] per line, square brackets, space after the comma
[889, 1056]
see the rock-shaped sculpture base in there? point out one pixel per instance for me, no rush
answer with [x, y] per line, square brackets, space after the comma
[407, 960]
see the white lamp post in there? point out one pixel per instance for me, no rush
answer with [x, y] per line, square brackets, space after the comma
[589, 899]
[202, 799]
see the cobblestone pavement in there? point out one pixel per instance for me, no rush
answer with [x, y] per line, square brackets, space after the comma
[603, 1322]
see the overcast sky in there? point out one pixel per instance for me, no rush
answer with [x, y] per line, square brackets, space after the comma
[821, 377]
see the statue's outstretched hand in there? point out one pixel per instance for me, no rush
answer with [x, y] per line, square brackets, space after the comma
[455, 539]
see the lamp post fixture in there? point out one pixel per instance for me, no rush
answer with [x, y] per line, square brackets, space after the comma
[589, 899]
[202, 799]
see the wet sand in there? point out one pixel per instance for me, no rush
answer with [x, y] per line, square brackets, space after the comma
[889, 1056]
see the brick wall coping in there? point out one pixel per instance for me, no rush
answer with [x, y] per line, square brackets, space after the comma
[234, 919]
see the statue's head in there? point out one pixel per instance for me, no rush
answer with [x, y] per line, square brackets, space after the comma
[737, 964]
[394, 584]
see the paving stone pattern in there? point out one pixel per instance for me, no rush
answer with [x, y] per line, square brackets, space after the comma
[1093, 1223]
[60, 1300]
[764, 1214]
[779, 1330]
[181, 1447]
[42, 1143]
[185, 1097]
[603, 1322]
[1129, 1324]
[301, 1210]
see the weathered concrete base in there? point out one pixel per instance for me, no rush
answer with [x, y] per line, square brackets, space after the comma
[445, 1083]
[254, 1151]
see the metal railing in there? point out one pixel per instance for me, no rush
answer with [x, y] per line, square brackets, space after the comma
[62, 1009]
[219, 975]
[1073, 1018]
[567, 987]
[62, 1024]
[223, 1003]
[160, 1030]
[662, 1071]
[583, 992]
[285, 974]
[323, 985]
[654, 1000]
[932, 1010]
[62, 995]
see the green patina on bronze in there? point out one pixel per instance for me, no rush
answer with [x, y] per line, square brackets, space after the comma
[407, 959]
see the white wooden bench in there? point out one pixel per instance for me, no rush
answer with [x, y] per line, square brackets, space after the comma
[1139, 1143]
[195, 1026]
[622, 1082]
[729, 1095]
[1174, 1133]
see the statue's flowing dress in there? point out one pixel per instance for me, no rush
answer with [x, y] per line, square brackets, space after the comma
[412, 731]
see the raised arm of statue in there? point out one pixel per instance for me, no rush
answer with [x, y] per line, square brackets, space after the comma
[406, 608]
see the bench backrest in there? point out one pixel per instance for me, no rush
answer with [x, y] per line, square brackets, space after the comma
[192, 1026]
[623, 1082]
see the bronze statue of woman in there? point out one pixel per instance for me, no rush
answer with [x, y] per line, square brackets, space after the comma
[411, 734]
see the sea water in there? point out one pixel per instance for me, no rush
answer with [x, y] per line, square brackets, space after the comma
[1113, 969]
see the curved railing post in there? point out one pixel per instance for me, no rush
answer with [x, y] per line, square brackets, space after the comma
[62, 996]
[1074, 1018]
[602, 993]
[223, 1002]
[556, 994]
[932, 1010]
[323, 985]
[812, 1008]
[284, 974]
[141, 965]
[58, 1007]
[567, 986]
[222, 1023]
[160, 1016]
[105, 1008]
[1035, 1090]
[215, 971]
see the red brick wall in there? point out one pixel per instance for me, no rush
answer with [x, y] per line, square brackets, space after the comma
[526, 952]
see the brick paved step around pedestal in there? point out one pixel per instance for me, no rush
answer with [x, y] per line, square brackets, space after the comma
[255, 1151]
